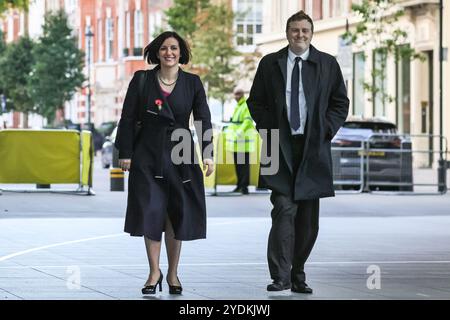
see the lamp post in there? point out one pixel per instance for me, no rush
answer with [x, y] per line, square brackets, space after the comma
[89, 34]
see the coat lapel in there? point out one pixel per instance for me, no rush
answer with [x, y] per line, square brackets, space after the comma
[282, 63]
[311, 81]
[281, 86]
[280, 92]
[176, 99]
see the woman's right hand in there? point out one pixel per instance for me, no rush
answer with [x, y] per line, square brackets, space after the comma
[125, 164]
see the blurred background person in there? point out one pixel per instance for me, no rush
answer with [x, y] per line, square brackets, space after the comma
[241, 140]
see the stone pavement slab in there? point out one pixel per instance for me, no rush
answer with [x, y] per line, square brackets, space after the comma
[63, 246]
[412, 254]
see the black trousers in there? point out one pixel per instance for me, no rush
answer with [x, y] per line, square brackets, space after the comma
[242, 165]
[295, 226]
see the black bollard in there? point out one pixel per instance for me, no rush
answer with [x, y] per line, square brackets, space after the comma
[442, 176]
[117, 179]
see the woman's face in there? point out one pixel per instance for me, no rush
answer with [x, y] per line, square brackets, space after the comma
[169, 53]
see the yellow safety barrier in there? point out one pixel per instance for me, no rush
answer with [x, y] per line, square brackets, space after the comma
[225, 173]
[46, 157]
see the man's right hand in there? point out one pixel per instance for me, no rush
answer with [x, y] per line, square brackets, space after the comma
[125, 164]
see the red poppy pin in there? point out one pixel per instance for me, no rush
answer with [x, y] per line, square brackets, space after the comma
[158, 103]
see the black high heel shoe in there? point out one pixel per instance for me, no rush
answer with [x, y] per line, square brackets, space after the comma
[174, 289]
[151, 289]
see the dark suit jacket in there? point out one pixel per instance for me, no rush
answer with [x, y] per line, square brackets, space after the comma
[327, 104]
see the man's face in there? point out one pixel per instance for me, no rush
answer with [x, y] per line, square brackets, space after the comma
[299, 35]
[238, 95]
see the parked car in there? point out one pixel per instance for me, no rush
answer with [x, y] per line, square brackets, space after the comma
[108, 149]
[386, 156]
[106, 128]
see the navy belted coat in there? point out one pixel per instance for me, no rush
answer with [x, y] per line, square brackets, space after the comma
[159, 187]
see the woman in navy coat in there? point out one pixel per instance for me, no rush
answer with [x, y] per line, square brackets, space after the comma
[165, 195]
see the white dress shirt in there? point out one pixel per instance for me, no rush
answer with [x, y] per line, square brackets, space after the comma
[301, 93]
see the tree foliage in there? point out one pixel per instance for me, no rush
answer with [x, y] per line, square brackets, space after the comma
[214, 53]
[16, 63]
[378, 28]
[17, 4]
[58, 71]
[2, 42]
[182, 15]
[2, 50]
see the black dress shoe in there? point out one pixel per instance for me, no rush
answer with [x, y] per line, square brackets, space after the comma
[301, 288]
[151, 289]
[278, 286]
[242, 190]
[174, 289]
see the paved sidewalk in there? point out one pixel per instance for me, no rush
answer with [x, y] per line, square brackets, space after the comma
[42, 258]
[56, 246]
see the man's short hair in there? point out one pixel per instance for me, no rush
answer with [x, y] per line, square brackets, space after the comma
[238, 90]
[299, 16]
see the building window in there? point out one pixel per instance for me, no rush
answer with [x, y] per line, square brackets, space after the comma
[71, 5]
[248, 21]
[325, 9]
[151, 26]
[10, 29]
[127, 30]
[109, 38]
[154, 24]
[100, 40]
[53, 5]
[358, 83]
[309, 7]
[340, 8]
[404, 95]
[138, 31]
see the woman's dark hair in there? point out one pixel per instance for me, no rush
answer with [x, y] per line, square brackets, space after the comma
[151, 51]
[299, 16]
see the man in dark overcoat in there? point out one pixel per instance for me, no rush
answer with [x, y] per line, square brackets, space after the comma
[299, 96]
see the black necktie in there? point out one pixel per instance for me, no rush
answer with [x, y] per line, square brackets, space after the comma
[295, 108]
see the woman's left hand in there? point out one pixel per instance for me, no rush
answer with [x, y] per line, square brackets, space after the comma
[210, 164]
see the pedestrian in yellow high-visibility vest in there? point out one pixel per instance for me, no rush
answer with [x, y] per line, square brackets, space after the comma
[241, 140]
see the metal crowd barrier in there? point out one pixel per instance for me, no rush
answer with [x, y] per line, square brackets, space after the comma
[404, 154]
[347, 185]
[389, 170]
[354, 168]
